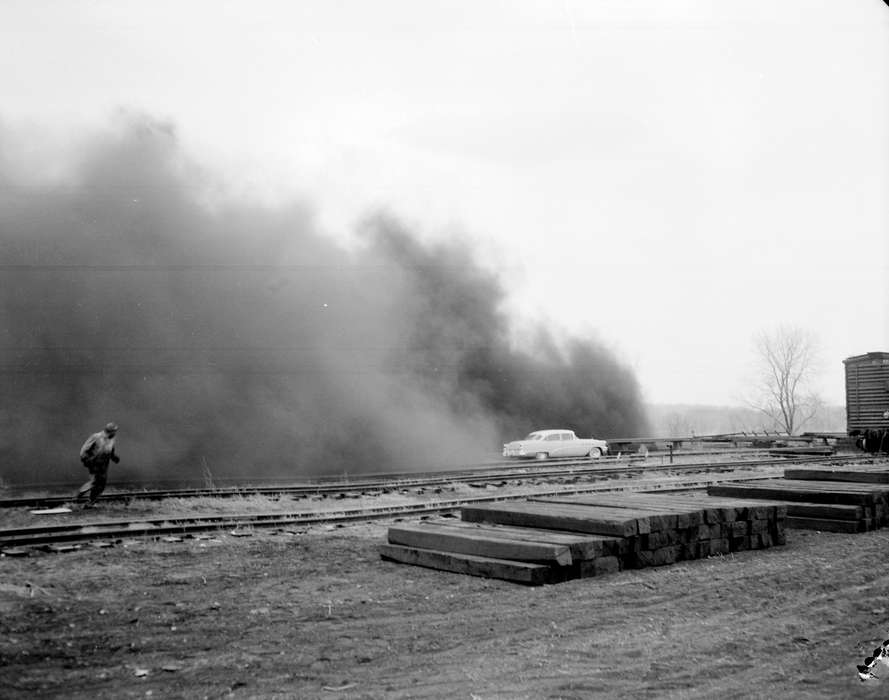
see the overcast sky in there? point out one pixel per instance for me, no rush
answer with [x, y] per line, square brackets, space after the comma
[668, 176]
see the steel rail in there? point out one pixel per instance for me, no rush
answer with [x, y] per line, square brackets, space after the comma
[565, 469]
[319, 484]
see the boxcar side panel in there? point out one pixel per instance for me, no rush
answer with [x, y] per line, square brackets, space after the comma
[867, 392]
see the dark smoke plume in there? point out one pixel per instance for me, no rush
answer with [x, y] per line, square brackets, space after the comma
[236, 338]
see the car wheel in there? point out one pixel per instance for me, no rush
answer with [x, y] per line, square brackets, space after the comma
[595, 453]
[541, 455]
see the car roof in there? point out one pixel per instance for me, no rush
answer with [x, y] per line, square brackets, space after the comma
[548, 431]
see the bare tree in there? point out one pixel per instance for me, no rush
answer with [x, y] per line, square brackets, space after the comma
[679, 425]
[787, 361]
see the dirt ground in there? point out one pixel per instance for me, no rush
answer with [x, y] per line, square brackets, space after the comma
[318, 614]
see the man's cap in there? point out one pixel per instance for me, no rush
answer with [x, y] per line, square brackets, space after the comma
[111, 428]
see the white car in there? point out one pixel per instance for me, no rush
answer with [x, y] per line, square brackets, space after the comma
[543, 444]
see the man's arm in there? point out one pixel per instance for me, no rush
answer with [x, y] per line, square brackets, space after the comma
[87, 450]
[114, 457]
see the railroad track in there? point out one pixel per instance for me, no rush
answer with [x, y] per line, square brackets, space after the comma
[17, 541]
[553, 469]
[234, 483]
[14, 538]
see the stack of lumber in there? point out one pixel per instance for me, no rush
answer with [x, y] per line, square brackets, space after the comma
[860, 473]
[553, 539]
[815, 450]
[829, 502]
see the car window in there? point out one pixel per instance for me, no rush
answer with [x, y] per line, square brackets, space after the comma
[566, 436]
[533, 436]
[552, 437]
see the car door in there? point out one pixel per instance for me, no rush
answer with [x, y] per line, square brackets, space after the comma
[570, 446]
[552, 445]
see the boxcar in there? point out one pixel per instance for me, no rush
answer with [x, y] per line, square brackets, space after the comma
[867, 400]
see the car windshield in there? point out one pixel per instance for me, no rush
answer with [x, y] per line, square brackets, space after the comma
[533, 436]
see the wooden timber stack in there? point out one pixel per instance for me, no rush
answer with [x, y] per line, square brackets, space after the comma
[861, 473]
[554, 539]
[814, 450]
[828, 499]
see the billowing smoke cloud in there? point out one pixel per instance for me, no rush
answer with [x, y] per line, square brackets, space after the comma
[236, 338]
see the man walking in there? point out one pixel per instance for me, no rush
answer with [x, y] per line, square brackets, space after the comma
[95, 454]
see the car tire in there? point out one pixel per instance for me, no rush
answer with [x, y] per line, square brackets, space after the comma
[541, 455]
[595, 453]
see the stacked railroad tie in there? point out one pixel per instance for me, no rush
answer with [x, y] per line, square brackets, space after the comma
[554, 539]
[829, 499]
[881, 653]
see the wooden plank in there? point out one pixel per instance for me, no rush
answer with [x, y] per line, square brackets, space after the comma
[803, 484]
[790, 493]
[659, 557]
[643, 519]
[715, 510]
[582, 546]
[519, 572]
[549, 516]
[841, 486]
[561, 517]
[740, 544]
[831, 511]
[758, 511]
[669, 502]
[662, 538]
[707, 531]
[445, 539]
[685, 516]
[793, 451]
[719, 546]
[599, 567]
[661, 516]
[767, 509]
[698, 549]
[708, 501]
[739, 528]
[853, 475]
[779, 534]
[826, 524]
